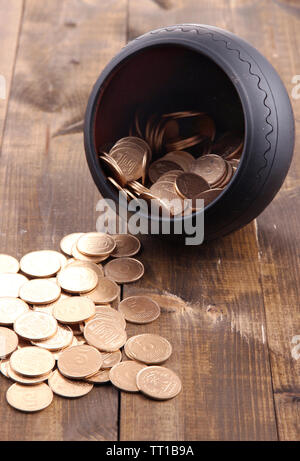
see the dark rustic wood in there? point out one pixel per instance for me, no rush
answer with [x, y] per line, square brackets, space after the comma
[45, 187]
[230, 308]
[10, 23]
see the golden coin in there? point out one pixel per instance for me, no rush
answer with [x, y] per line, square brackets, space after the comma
[139, 309]
[11, 309]
[74, 310]
[170, 176]
[77, 279]
[79, 361]
[124, 270]
[62, 338]
[160, 167]
[32, 361]
[105, 292]
[8, 264]
[208, 196]
[159, 383]
[8, 342]
[68, 388]
[102, 376]
[148, 348]
[35, 326]
[68, 241]
[129, 160]
[109, 315]
[96, 244]
[22, 380]
[40, 263]
[211, 167]
[126, 245]
[105, 335]
[29, 398]
[39, 291]
[10, 284]
[97, 268]
[81, 257]
[123, 375]
[111, 358]
[188, 185]
[182, 158]
[4, 367]
[114, 169]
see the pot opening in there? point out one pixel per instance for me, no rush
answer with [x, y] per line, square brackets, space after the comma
[164, 79]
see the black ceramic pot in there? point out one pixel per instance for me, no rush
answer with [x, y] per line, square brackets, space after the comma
[202, 67]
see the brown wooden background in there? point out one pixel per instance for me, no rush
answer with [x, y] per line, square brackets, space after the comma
[231, 308]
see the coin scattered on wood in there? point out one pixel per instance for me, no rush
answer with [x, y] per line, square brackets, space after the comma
[159, 383]
[86, 343]
[139, 309]
[29, 398]
[123, 375]
[65, 387]
[8, 264]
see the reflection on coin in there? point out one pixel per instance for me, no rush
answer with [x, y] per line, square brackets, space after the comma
[211, 167]
[39, 291]
[4, 367]
[79, 361]
[68, 241]
[8, 342]
[126, 245]
[81, 257]
[109, 315]
[24, 380]
[158, 383]
[62, 338]
[74, 310]
[29, 398]
[148, 348]
[188, 185]
[11, 309]
[97, 268]
[139, 309]
[123, 375]
[32, 361]
[40, 263]
[8, 264]
[105, 292]
[111, 358]
[35, 326]
[96, 244]
[102, 376]
[10, 284]
[106, 336]
[67, 388]
[77, 279]
[124, 270]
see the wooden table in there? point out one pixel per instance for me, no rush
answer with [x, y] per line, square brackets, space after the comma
[230, 308]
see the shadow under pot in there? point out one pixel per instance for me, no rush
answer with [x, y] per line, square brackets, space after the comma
[210, 89]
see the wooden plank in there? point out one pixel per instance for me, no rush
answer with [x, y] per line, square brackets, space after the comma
[213, 310]
[10, 23]
[45, 187]
[278, 226]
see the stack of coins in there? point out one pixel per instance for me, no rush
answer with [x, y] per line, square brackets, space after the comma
[191, 160]
[62, 323]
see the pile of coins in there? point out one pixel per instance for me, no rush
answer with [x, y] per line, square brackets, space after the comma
[202, 172]
[62, 323]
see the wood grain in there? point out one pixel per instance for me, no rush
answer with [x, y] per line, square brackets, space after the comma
[45, 187]
[278, 226]
[10, 22]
